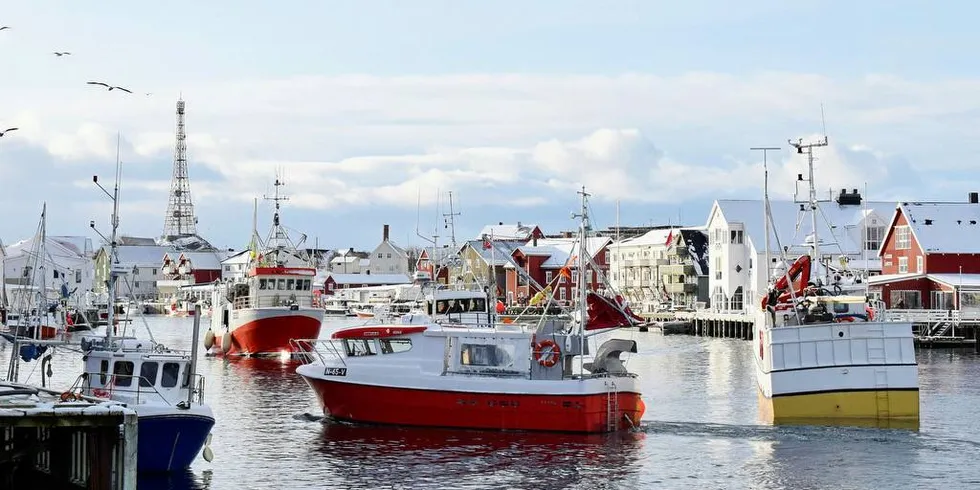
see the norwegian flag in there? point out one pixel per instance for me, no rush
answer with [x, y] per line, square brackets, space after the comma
[670, 238]
[487, 245]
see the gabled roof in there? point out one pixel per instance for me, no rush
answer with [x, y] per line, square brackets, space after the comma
[560, 251]
[518, 231]
[786, 217]
[204, 260]
[500, 253]
[140, 255]
[948, 227]
[238, 258]
[394, 246]
[369, 278]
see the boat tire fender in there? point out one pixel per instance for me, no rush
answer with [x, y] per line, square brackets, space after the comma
[547, 353]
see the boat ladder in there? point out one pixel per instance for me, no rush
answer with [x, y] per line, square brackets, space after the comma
[612, 406]
[881, 393]
[876, 345]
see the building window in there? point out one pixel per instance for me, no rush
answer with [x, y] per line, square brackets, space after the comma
[919, 264]
[575, 277]
[547, 277]
[718, 268]
[389, 255]
[78, 276]
[942, 300]
[137, 284]
[736, 237]
[904, 300]
[738, 300]
[561, 294]
[605, 256]
[379, 256]
[903, 265]
[903, 238]
[873, 236]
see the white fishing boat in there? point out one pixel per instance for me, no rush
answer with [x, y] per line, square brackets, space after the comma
[823, 353]
[504, 376]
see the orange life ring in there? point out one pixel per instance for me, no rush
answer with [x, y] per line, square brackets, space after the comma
[547, 358]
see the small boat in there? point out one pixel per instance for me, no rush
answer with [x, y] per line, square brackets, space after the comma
[500, 377]
[362, 310]
[336, 307]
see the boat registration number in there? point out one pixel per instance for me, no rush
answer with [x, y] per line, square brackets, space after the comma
[334, 371]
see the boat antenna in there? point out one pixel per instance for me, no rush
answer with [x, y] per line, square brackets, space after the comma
[113, 258]
[450, 219]
[765, 202]
[583, 261]
[811, 203]
[278, 236]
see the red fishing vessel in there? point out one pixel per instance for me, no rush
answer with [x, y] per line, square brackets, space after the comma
[503, 376]
[258, 315]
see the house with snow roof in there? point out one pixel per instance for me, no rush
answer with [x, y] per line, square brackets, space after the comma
[68, 262]
[543, 259]
[506, 232]
[849, 230]
[668, 264]
[388, 257]
[144, 265]
[930, 257]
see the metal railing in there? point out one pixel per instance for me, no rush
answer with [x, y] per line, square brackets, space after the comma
[932, 316]
[312, 350]
[112, 387]
[273, 301]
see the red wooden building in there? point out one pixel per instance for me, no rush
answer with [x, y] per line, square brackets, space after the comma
[193, 267]
[930, 256]
[543, 263]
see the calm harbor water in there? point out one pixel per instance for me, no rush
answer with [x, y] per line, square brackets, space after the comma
[701, 430]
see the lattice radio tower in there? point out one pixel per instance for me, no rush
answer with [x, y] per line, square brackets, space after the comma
[180, 220]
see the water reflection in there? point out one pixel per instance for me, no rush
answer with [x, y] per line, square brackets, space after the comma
[370, 456]
[178, 481]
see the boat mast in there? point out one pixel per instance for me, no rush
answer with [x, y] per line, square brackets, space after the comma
[583, 261]
[278, 237]
[113, 258]
[807, 149]
[765, 202]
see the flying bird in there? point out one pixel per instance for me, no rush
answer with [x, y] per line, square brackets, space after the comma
[110, 87]
[7, 131]
[4, 27]
[61, 53]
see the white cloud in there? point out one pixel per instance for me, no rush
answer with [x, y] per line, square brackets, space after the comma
[359, 140]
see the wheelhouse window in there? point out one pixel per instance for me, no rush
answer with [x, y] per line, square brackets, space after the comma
[263, 283]
[486, 355]
[290, 284]
[394, 346]
[171, 372]
[103, 371]
[148, 374]
[122, 373]
[461, 305]
[360, 347]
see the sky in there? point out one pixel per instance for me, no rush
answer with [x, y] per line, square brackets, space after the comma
[373, 111]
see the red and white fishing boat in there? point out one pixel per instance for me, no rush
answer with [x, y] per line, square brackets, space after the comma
[506, 377]
[259, 314]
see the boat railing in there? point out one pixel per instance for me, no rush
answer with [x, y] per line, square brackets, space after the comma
[273, 301]
[141, 391]
[326, 351]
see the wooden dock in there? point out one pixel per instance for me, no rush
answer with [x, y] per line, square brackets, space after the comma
[704, 323]
[54, 440]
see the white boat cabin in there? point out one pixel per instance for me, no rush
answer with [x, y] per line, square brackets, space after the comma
[823, 309]
[273, 287]
[135, 373]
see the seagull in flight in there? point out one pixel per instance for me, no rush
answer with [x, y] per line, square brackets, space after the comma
[61, 53]
[4, 27]
[7, 131]
[110, 87]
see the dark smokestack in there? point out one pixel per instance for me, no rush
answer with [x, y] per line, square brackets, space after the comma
[385, 237]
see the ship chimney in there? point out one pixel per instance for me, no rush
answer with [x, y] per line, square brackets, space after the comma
[974, 198]
[385, 237]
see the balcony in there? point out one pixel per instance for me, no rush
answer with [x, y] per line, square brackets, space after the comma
[680, 287]
[678, 269]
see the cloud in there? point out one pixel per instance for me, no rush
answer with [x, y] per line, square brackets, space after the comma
[353, 142]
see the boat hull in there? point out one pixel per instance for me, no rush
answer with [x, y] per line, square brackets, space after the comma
[171, 442]
[577, 412]
[268, 331]
[838, 374]
[891, 408]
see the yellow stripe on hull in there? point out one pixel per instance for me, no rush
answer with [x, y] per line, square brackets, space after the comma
[885, 409]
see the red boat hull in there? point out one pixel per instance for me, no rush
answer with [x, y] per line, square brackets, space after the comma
[586, 413]
[271, 336]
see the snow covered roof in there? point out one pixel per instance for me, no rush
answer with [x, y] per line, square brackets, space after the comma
[500, 253]
[518, 231]
[237, 258]
[205, 260]
[652, 237]
[561, 250]
[140, 255]
[944, 227]
[376, 279]
[57, 248]
[965, 280]
[844, 228]
[341, 259]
